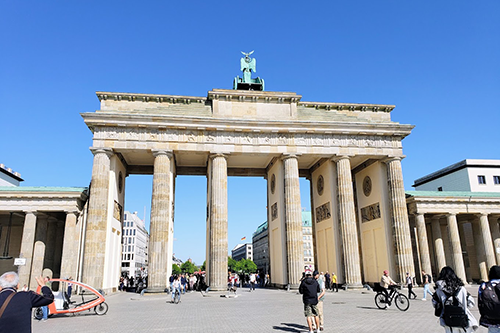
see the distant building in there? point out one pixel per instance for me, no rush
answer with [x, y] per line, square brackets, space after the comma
[242, 251]
[260, 241]
[134, 246]
[9, 177]
[467, 175]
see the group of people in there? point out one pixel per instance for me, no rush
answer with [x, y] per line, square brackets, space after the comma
[128, 283]
[251, 280]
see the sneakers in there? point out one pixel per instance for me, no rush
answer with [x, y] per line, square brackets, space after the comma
[321, 328]
[423, 299]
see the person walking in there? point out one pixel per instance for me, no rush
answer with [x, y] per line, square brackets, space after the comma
[427, 279]
[309, 288]
[253, 279]
[328, 281]
[15, 306]
[409, 284]
[489, 301]
[452, 302]
[45, 309]
[321, 297]
[334, 283]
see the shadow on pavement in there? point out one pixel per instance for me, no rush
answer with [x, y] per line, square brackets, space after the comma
[287, 327]
[369, 308]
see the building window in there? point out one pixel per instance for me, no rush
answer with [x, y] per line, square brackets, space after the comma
[440, 188]
[481, 180]
[496, 180]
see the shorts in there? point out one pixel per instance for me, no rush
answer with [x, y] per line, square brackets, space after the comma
[311, 310]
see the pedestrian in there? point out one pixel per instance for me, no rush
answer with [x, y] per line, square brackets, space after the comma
[70, 287]
[253, 279]
[489, 301]
[409, 284]
[427, 280]
[309, 288]
[15, 313]
[45, 309]
[334, 283]
[321, 297]
[328, 280]
[452, 302]
[176, 286]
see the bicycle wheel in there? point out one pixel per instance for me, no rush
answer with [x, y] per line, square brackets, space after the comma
[402, 302]
[101, 309]
[380, 301]
[177, 298]
[37, 313]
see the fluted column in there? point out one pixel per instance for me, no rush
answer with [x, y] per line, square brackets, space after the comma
[218, 222]
[293, 221]
[399, 216]
[39, 250]
[438, 243]
[458, 261]
[423, 243]
[27, 245]
[347, 218]
[70, 246]
[487, 241]
[97, 221]
[159, 241]
[495, 234]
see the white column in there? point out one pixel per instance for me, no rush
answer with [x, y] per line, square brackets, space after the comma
[97, 221]
[293, 221]
[27, 245]
[217, 260]
[438, 243]
[487, 241]
[458, 261]
[70, 246]
[159, 241]
[423, 243]
[348, 227]
[495, 234]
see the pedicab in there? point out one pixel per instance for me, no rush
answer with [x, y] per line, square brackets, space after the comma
[63, 303]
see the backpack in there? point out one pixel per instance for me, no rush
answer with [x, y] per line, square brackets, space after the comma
[429, 278]
[489, 302]
[454, 314]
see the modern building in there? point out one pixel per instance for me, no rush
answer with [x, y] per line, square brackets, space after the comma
[242, 251]
[454, 219]
[467, 175]
[135, 242]
[9, 177]
[260, 242]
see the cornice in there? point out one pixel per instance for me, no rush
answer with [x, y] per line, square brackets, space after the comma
[348, 106]
[132, 97]
[254, 96]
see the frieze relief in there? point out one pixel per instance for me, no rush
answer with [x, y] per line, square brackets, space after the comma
[246, 138]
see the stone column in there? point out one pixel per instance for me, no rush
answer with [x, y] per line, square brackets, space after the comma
[218, 222]
[458, 261]
[423, 245]
[97, 220]
[495, 234]
[70, 246]
[487, 241]
[27, 244]
[161, 205]
[50, 245]
[39, 250]
[438, 243]
[293, 221]
[399, 216]
[347, 218]
[479, 247]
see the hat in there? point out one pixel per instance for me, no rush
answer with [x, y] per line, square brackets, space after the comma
[315, 273]
[386, 272]
[308, 272]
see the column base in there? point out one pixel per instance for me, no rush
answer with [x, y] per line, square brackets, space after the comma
[155, 290]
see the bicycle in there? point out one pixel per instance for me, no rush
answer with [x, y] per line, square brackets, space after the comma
[176, 299]
[401, 301]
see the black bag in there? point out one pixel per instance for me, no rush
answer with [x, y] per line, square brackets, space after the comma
[489, 302]
[429, 278]
[454, 314]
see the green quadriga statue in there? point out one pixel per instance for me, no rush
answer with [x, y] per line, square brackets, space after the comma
[248, 65]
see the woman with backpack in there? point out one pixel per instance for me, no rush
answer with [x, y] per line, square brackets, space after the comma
[489, 302]
[451, 302]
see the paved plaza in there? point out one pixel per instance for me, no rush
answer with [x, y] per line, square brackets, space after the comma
[264, 310]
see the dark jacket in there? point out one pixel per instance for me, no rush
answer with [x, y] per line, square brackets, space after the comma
[309, 288]
[17, 314]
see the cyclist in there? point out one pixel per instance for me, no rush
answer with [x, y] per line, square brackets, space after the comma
[385, 282]
[176, 287]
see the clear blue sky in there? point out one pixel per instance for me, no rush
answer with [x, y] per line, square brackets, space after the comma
[437, 61]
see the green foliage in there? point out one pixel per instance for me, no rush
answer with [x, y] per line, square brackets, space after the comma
[188, 267]
[202, 267]
[245, 266]
[176, 270]
[231, 264]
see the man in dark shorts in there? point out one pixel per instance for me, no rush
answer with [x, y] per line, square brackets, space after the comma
[309, 288]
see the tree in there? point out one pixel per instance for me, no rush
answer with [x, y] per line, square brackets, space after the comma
[176, 270]
[231, 264]
[202, 267]
[188, 267]
[246, 266]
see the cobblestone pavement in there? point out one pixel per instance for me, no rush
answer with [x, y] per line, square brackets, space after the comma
[263, 310]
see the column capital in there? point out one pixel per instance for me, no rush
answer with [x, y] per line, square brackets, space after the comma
[391, 158]
[286, 156]
[451, 214]
[482, 214]
[107, 151]
[33, 212]
[338, 158]
[213, 155]
[74, 212]
[158, 152]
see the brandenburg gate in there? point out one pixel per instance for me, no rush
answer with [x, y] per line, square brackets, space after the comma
[351, 153]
